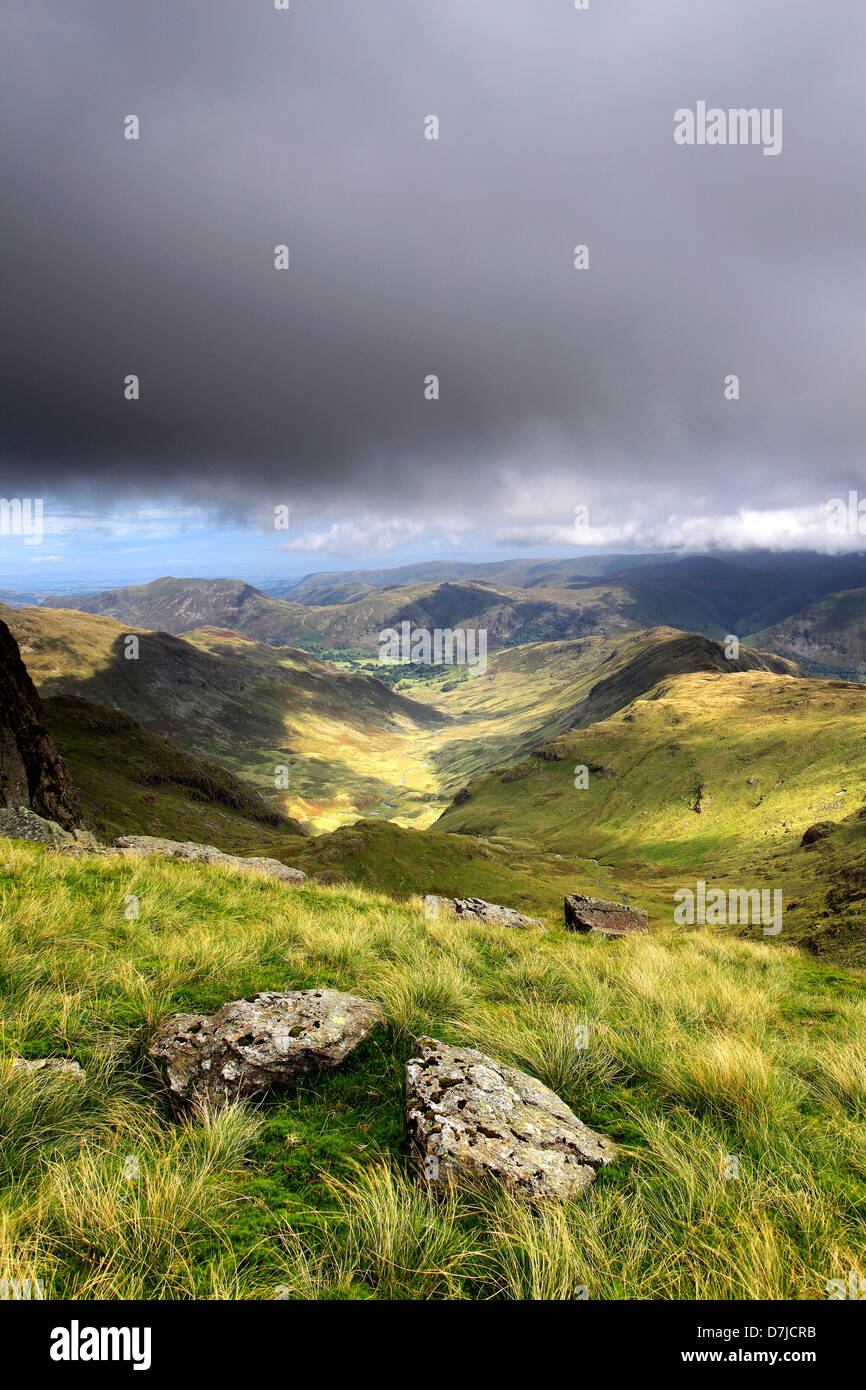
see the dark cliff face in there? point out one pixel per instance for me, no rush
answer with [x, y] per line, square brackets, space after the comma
[32, 773]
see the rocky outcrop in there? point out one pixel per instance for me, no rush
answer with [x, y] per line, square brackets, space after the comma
[252, 1045]
[609, 919]
[191, 853]
[20, 823]
[32, 772]
[469, 1118]
[480, 911]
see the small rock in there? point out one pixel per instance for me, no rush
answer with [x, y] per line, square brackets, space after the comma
[480, 911]
[251, 1045]
[609, 919]
[86, 839]
[56, 1066]
[819, 831]
[191, 853]
[469, 1117]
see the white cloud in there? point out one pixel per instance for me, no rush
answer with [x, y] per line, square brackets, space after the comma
[376, 535]
[750, 528]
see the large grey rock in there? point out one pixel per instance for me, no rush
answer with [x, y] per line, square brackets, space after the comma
[192, 853]
[20, 823]
[609, 919]
[251, 1045]
[480, 911]
[469, 1117]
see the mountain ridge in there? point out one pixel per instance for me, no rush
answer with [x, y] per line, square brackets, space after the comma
[515, 602]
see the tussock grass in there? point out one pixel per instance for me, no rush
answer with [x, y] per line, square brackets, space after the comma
[731, 1074]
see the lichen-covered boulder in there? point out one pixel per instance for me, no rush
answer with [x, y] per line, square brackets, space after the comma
[609, 919]
[192, 853]
[480, 911]
[20, 823]
[251, 1045]
[469, 1117]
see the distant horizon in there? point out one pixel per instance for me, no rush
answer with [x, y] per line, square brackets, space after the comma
[93, 582]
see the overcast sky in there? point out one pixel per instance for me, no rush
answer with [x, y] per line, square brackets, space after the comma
[559, 387]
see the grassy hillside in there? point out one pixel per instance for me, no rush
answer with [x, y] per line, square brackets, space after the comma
[180, 605]
[699, 767]
[705, 775]
[131, 781]
[530, 694]
[353, 746]
[247, 706]
[729, 1072]
[404, 862]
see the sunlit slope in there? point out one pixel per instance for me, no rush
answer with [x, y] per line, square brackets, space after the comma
[706, 774]
[749, 757]
[351, 747]
[531, 694]
[250, 707]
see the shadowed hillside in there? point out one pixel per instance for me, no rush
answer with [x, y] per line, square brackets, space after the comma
[827, 637]
[131, 781]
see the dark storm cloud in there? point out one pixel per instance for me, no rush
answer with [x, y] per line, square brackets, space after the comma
[412, 257]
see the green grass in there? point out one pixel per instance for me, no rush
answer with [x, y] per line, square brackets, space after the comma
[706, 1051]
